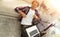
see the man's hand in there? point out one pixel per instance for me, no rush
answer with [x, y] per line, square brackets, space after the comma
[22, 14]
[36, 17]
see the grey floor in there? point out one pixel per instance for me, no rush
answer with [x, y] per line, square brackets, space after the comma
[9, 27]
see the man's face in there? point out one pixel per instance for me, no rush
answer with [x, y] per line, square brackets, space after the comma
[35, 4]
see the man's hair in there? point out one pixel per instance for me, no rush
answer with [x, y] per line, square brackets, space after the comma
[36, 2]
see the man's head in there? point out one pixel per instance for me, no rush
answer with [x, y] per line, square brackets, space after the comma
[35, 4]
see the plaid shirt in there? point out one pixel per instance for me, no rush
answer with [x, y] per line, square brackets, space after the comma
[26, 10]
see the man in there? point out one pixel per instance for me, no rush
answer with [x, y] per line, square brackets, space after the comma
[24, 11]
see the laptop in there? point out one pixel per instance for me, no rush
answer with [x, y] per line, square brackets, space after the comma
[32, 31]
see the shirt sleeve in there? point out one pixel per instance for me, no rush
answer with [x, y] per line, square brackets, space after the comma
[36, 12]
[17, 9]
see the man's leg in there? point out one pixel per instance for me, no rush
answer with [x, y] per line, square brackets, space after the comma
[23, 31]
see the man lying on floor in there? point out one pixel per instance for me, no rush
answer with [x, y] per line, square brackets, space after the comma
[28, 16]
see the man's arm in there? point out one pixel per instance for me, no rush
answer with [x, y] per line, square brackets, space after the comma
[22, 13]
[36, 16]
